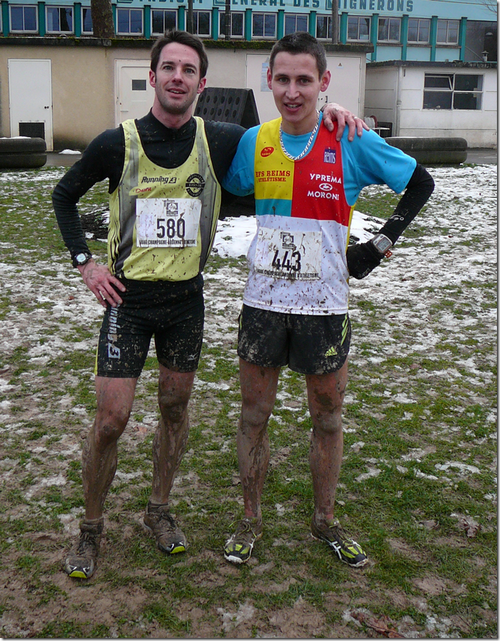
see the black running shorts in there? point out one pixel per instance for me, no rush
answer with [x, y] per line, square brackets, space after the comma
[172, 312]
[307, 344]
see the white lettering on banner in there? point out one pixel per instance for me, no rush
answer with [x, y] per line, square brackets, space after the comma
[167, 222]
[290, 255]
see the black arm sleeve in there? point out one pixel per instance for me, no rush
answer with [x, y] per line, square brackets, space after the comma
[418, 191]
[102, 159]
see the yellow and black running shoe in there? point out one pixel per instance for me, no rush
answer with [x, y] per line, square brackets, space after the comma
[161, 524]
[82, 561]
[345, 548]
[239, 546]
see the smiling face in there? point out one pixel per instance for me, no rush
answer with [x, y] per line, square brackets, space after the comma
[176, 82]
[296, 84]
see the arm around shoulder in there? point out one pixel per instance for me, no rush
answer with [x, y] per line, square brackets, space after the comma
[240, 178]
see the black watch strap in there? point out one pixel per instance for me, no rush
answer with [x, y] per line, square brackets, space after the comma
[80, 259]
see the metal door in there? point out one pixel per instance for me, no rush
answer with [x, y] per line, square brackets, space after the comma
[30, 99]
[134, 94]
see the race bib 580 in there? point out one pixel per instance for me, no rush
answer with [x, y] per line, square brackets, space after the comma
[167, 222]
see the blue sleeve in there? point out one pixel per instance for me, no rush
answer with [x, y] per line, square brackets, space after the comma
[369, 160]
[240, 177]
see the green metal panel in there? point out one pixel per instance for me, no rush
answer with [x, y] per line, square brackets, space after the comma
[404, 37]
[42, 24]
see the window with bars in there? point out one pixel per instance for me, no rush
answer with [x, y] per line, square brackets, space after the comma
[23, 18]
[419, 30]
[59, 19]
[264, 25]
[162, 21]
[453, 91]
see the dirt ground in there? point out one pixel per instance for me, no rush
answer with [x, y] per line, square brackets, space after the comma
[291, 588]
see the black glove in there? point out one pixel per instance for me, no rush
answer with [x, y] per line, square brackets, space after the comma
[362, 259]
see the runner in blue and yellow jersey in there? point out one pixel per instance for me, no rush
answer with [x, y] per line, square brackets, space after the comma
[165, 172]
[295, 304]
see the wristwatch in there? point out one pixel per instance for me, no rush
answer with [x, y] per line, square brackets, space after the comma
[81, 259]
[381, 243]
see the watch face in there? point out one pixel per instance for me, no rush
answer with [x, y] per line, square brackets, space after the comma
[81, 259]
[382, 243]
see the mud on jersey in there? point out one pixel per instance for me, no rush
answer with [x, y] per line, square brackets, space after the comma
[163, 221]
[298, 256]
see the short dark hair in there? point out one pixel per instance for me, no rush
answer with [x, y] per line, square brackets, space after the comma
[300, 42]
[184, 38]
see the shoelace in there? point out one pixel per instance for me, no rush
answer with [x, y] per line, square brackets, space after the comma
[163, 515]
[245, 527]
[87, 540]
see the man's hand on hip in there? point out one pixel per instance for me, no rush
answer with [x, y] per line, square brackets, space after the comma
[102, 283]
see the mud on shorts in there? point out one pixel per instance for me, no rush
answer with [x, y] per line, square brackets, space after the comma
[307, 344]
[172, 312]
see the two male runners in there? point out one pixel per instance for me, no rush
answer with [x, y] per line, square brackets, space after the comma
[165, 172]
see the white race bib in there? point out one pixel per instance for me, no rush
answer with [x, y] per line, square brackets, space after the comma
[167, 222]
[294, 255]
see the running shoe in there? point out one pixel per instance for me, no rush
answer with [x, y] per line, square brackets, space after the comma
[346, 549]
[161, 524]
[238, 548]
[82, 562]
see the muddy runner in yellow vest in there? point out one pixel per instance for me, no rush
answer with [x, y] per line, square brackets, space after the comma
[163, 221]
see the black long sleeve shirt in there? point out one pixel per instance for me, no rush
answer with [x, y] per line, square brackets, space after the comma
[105, 155]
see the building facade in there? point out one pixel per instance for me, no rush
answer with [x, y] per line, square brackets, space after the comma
[421, 30]
[416, 67]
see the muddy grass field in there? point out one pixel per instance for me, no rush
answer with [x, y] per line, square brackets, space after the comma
[418, 483]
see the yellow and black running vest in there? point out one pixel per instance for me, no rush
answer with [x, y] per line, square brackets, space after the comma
[165, 251]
